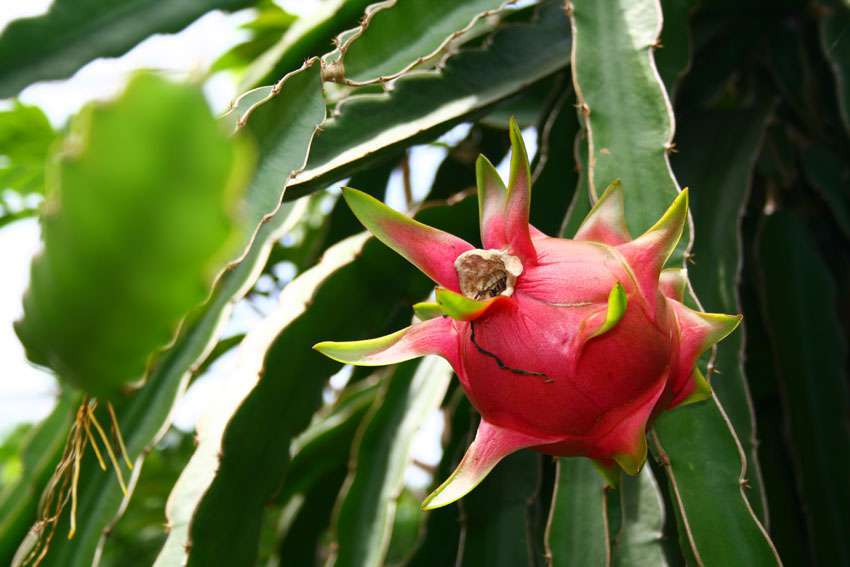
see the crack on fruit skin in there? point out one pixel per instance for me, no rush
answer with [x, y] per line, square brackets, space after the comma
[502, 365]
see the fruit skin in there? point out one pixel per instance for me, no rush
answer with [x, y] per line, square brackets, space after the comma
[567, 346]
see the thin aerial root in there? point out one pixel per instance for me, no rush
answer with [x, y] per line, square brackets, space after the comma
[47, 523]
[60, 488]
[59, 471]
[52, 521]
[93, 444]
[63, 485]
[116, 429]
[75, 480]
[115, 464]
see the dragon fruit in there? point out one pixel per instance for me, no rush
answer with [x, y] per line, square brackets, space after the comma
[569, 347]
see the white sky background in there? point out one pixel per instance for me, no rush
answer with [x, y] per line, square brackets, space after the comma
[26, 393]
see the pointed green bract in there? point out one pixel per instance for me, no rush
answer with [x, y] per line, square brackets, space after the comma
[700, 331]
[648, 253]
[460, 307]
[617, 304]
[518, 201]
[426, 310]
[434, 336]
[702, 389]
[606, 221]
[668, 230]
[633, 461]
[609, 472]
[520, 177]
[720, 325]
[360, 353]
[492, 444]
[491, 203]
[459, 484]
[429, 249]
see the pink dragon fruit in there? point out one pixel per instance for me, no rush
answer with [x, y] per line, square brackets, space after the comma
[568, 347]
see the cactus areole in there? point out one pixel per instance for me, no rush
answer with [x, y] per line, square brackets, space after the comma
[566, 346]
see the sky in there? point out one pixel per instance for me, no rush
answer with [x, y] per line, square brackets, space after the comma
[26, 393]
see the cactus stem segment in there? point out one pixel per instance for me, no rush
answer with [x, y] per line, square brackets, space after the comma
[426, 310]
